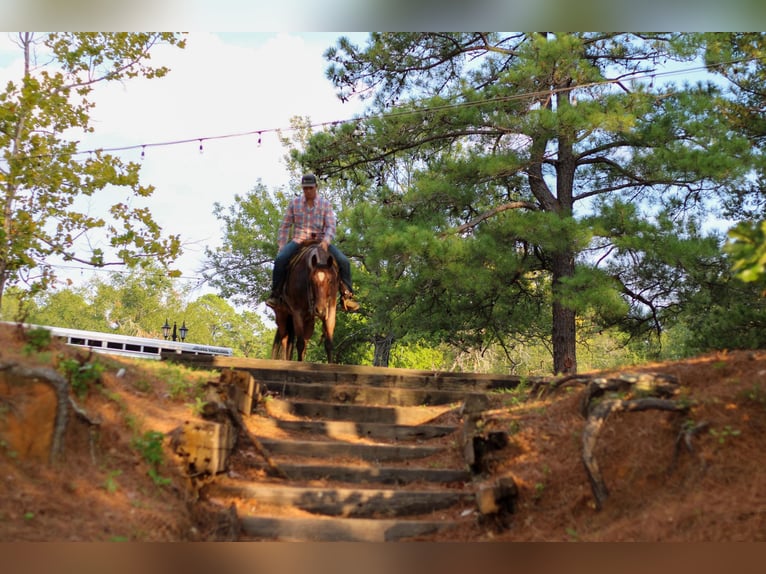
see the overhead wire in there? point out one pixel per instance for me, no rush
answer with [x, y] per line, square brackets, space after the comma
[393, 114]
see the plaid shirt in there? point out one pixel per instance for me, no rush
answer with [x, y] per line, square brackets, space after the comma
[317, 222]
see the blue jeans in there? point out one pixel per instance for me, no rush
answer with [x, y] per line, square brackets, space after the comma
[287, 252]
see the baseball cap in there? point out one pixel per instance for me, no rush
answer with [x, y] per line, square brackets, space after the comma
[308, 180]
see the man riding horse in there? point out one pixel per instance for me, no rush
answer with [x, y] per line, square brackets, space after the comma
[311, 218]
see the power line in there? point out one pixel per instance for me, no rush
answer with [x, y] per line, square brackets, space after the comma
[413, 111]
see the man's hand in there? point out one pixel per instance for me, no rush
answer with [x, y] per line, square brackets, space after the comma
[325, 244]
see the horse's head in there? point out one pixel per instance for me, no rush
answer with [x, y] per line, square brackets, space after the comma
[323, 276]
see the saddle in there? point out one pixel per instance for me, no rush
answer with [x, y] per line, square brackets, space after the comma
[295, 259]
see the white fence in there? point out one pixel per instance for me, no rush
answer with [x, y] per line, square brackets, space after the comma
[115, 344]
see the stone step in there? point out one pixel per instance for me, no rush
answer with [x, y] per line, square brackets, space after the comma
[364, 430]
[357, 394]
[367, 452]
[373, 475]
[345, 502]
[338, 529]
[356, 413]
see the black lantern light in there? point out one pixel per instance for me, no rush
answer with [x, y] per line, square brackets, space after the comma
[173, 332]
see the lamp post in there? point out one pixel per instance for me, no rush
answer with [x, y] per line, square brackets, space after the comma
[183, 331]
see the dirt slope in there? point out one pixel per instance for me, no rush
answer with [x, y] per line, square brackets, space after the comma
[103, 488]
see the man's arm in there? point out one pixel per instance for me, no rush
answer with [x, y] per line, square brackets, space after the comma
[284, 227]
[330, 224]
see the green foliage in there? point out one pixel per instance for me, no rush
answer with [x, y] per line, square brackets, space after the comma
[149, 446]
[41, 114]
[497, 168]
[242, 268]
[516, 396]
[178, 380]
[138, 303]
[747, 246]
[37, 339]
[81, 376]
[723, 434]
[465, 230]
[755, 394]
[420, 355]
[110, 482]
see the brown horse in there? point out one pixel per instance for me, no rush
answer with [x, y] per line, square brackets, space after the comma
[309, 292]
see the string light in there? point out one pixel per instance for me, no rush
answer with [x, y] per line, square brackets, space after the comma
[401, 113]
[81, 269]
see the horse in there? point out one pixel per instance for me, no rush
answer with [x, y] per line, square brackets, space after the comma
[309, 292]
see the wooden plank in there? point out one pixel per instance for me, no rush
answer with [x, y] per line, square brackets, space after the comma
[356, 413]
[337, 529]
[303, 372]
[206, 445]
[346, 502]
[379, 475]
[357, 394]
[369, 452]
[364, 430]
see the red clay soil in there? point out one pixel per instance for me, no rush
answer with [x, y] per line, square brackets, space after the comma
[101, 489]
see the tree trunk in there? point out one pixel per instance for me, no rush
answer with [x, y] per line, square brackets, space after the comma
[564, 329]
[382, 353]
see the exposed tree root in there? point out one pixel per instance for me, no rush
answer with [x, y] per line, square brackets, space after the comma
[652, 392]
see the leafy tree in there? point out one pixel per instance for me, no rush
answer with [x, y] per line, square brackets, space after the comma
[241, 269]
[139, 302]
[67, 308]
[741, 59]
[212, 321]
[493, 168]
[41, 174]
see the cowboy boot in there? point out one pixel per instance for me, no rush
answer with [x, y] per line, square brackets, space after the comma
[274, 299]
[347, 300]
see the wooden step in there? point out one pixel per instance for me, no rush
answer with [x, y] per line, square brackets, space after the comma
[368, 452]
[356, 413]
[268, 371]
[337, 529]
[358, 394]
[345, 502]
[375, 475]
[364, 430]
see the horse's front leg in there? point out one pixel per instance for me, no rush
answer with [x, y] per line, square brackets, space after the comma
[328, 328]
[304, 335]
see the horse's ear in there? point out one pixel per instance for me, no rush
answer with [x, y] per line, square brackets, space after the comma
[314, 260]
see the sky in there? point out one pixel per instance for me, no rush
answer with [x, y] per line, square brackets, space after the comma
[221, 84]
